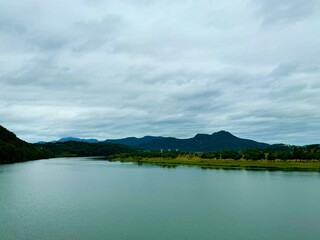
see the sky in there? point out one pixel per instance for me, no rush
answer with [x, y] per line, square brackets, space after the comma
[111, 69]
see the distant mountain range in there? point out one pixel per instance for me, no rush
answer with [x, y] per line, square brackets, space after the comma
[67, 139]
[218, 141]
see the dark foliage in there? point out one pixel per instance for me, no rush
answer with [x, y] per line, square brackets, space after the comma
[84, 149]
[253, 154]
[13, 149]
[311, 152]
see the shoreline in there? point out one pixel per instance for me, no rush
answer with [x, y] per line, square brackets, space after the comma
[277, 165]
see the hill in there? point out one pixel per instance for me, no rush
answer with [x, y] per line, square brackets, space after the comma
[218, 141]
[84, 149]
[133, 141]
[13, 149]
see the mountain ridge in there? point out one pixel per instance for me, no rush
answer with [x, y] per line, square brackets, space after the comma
[67, 139]
[217, 141]
[201, 142]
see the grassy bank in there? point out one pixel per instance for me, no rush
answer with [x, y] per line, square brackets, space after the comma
[292, 165]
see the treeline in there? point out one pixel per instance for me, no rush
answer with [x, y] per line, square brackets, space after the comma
[10, 153]
[84, 149]
[294, 153]
[311, 152]
[149, 154]
[13, 149]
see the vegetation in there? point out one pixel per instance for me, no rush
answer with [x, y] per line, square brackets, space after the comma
[310, 152]
[85, 149]
[13, 149]
[289, 158]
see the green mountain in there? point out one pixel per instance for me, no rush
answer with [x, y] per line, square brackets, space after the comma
[134, 142]
[13, 149]
[218, 141]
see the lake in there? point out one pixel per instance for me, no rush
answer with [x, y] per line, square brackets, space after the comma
[84, 198]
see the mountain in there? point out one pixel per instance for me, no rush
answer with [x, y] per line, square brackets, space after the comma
[13, 149]
[133, 141]
[218, 141]
[67, 139]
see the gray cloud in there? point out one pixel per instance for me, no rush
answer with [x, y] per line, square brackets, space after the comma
[286, 11]
[93, 35]
[113, 69]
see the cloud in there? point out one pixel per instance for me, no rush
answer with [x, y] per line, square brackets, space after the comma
[285, 11]
[113, 69]
[93, 35]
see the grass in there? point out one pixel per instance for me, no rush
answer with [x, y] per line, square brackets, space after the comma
[292, 165]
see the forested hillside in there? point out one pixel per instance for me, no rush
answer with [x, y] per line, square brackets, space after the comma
[13, 149]
[84, 149]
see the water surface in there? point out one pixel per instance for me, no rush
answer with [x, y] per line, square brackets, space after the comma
[83, 198]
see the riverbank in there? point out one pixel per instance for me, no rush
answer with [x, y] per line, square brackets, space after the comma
[292, 165]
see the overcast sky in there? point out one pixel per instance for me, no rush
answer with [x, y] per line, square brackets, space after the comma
[112, 69]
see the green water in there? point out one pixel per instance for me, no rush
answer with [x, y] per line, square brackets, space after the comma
[82, 198]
